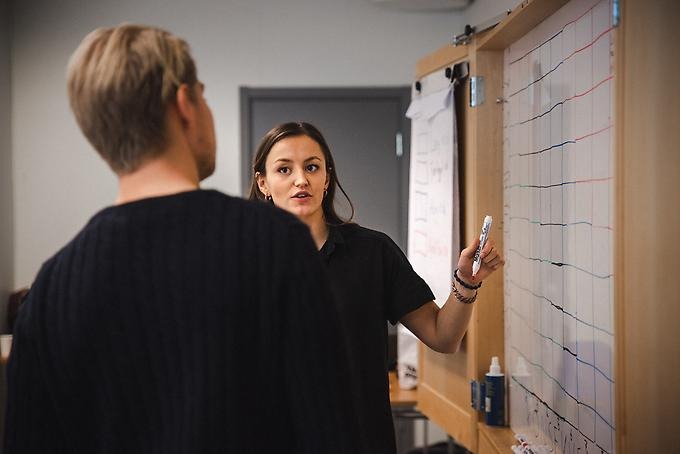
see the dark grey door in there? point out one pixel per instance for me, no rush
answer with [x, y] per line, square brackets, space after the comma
[368, 136]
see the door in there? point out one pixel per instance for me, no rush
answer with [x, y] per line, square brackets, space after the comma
[368, 135]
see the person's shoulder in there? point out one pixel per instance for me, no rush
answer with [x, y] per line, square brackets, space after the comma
[255, 209]
[33, 306]
[273, 224]
[265, 212]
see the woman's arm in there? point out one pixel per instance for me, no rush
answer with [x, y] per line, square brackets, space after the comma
[442, 329]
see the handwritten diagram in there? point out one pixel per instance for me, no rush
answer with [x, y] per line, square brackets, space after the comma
[433, 214]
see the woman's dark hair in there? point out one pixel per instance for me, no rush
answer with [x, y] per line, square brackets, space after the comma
[294, 129]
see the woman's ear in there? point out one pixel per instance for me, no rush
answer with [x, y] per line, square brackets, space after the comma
[262, 184]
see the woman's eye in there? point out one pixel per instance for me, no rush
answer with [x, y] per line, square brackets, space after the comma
[283, 170]
[312, 168]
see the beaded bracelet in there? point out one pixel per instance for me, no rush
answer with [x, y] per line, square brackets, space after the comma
[461, 298]
[463, 283]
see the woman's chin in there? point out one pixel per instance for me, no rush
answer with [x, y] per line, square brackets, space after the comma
[302, 212]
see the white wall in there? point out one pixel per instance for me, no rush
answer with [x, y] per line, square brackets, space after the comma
[59, 182]
[6, 211]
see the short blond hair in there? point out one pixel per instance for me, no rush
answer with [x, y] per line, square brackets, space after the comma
[120, 82]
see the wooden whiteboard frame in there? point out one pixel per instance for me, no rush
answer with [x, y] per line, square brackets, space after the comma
[647, 251]
[646, 248]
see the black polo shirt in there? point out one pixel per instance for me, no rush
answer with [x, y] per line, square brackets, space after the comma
[372, 281]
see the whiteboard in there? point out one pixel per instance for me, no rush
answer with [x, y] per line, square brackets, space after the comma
[433, 215]
[558, 217]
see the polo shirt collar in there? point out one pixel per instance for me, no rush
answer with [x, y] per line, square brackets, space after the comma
[334, 238]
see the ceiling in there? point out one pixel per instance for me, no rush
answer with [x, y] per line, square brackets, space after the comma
[424, 5]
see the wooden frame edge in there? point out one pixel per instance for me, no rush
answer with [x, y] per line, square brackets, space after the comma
[522, 19]
[619, 265]
[440, 58]
[458, 422]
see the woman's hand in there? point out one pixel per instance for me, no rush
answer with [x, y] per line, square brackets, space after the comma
[492, 259]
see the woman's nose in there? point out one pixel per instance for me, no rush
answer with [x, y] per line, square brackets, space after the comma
[300, 179]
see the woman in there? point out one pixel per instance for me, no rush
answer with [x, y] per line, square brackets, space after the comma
[371, 278]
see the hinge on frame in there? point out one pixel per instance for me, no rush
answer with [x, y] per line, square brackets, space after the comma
[616, 13]
[476, 91]
[477, 394]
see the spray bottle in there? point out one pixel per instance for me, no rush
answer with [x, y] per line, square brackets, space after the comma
[495, 395]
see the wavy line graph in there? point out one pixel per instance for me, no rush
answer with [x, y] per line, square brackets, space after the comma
[558, 188]
[573, 21]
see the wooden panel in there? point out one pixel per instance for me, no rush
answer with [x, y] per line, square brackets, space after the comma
[444, 394]
[445, 56]
[484, 446]
[448, 374]
[647, 308]
[495, 440]
[484, 195]
[523, 18]
[457, 421]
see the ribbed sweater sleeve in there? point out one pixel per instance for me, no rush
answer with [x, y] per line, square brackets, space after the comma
[29, 405]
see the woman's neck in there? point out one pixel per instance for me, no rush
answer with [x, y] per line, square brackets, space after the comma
[318, 229]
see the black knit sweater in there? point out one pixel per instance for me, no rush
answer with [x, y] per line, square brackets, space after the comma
[191, 323]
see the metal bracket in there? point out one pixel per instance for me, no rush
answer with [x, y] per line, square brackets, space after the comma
[477, 395]
[616, 13]
[470, 31]
[476, 91]
[457, 73]
[465, 37]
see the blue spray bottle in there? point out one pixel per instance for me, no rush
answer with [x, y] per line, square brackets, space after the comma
[494, 402]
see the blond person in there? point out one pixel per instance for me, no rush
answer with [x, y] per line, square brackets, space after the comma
[169, 323]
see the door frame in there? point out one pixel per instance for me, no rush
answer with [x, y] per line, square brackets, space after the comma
[249, 95]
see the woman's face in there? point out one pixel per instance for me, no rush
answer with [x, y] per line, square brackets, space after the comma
[296, 177]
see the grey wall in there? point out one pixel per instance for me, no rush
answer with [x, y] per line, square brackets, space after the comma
[6, 203]
[59, 182]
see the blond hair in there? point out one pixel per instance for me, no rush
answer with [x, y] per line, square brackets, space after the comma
[120, 82]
